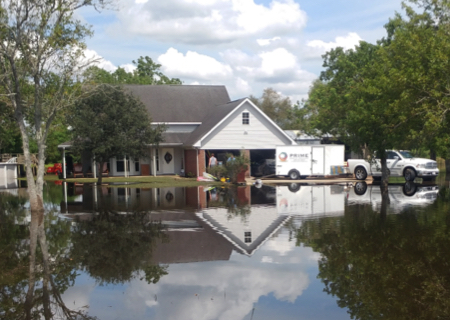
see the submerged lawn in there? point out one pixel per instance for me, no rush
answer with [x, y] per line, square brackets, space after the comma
[140, 182]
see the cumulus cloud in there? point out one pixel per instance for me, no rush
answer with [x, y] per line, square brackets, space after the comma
[99, 61]
[218, 290]
[266, 42]
[193, 65]
[209, 21]
[347, 42]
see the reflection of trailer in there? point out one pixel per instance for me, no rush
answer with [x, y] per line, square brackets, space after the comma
[311, 200]
[310, 160]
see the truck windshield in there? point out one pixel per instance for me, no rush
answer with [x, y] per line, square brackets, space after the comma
[406, 154]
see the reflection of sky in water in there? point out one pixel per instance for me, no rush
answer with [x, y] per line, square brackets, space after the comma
[277, 282]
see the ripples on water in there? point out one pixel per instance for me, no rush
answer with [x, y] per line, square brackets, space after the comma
[285, 252]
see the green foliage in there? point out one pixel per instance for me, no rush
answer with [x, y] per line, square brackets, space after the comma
[232, 168]
[146, 72]
[385, 267]
[276, 107]
[394, 94]
[10, 140]
[112, 123]
[113, 247]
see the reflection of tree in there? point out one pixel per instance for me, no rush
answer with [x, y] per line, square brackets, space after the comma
[114, 247]
[391, 267]
[228, 198]
[35, 273]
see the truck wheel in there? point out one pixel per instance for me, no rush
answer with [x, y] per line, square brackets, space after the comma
[360, 173]
[409, 174]
[294, 175]
[409, 189]
[360, 188]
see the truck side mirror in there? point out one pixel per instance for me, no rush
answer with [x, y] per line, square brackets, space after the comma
[396, 157]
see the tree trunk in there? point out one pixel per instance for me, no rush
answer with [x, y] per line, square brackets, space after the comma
[100, 173]
[433, 154]
[447, 165]
[384, 175]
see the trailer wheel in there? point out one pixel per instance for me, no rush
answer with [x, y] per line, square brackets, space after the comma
[294, 175]
[409, 174]
[294, 187]
[360, 173]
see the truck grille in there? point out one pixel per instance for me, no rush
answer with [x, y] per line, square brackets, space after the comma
[431, 165]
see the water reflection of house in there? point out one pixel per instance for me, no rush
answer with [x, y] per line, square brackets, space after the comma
[190, 239]
[249, 228]
[121, 199]
[244, 224]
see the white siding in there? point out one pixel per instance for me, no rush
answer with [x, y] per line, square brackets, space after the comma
[258, 134]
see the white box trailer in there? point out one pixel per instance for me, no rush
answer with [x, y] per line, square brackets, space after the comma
[301, 161]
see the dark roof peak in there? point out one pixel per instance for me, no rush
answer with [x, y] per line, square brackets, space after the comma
[179, 103]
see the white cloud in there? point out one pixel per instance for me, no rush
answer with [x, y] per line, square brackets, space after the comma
[193, 65]
[224, 290]
[129, 67]
[100, 61]
[348, 42]
[209, 21]
[266, 42]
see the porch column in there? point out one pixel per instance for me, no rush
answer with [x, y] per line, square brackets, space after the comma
[125, 166]
[64, 163]
[196, 159]
[94, 169]
[154, 161]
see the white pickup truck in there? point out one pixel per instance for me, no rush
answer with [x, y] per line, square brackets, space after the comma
[399, 163]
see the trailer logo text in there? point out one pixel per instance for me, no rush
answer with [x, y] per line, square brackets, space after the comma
[294, 157]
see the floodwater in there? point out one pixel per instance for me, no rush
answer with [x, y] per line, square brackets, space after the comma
[284, 252]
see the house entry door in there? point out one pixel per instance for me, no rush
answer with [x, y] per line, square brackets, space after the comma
[167, 159]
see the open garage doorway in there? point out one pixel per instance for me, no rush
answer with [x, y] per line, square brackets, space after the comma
[262, 162]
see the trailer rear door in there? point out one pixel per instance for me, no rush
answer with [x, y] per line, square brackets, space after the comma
[318, 161]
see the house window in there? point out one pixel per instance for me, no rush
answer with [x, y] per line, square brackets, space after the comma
[157, 159]
[136, 166]
[245, 118]
[247, 237]
[120, 167]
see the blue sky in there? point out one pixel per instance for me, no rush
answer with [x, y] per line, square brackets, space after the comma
[247, 45]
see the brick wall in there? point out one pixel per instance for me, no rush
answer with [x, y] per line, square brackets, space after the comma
[201, 162]
[190, 157]
[190, 162]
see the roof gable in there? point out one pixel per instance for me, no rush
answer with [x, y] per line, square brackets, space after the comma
[218, 116]
[179, 103]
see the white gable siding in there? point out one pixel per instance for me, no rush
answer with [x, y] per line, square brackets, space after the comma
[258, 134]
[248, 235]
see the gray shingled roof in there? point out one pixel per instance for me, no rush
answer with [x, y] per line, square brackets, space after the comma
[179, 103]
[212, 118]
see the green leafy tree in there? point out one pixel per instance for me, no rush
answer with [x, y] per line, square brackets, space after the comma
[114, 248]
[10, 141]
[276, 107]
[40, 56]
[418, 59]
[111, 123]
[146, 72]
[385, 266]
